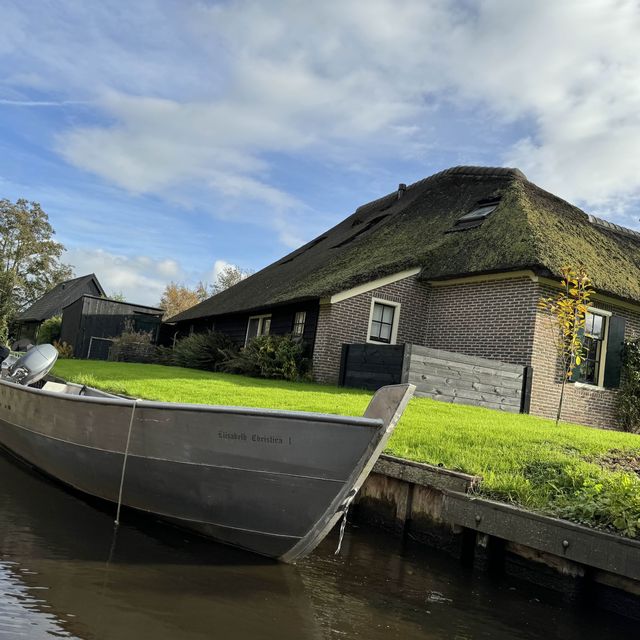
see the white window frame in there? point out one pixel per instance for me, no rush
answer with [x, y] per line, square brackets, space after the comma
[261, 318]
[603, 349]
[302, 324]
[394, 326]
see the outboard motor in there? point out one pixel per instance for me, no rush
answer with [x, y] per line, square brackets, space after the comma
[33, 365]
[4, 353]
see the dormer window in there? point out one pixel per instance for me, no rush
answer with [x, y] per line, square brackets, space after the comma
[474, 218]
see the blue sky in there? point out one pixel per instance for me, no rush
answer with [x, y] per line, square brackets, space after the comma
[166, 139]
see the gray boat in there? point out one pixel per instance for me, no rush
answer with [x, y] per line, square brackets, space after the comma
[272, 482]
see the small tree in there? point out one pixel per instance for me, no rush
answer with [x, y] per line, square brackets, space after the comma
[568, 310]
[229, 276]
[177, 298]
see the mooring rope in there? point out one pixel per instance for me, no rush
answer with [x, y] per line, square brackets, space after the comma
[345, 512]
[124, 462]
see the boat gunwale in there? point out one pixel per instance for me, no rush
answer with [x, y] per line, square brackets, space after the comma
[374, 423]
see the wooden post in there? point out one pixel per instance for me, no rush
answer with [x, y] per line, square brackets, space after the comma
[343, 364]
[525, 398]
[406, 363]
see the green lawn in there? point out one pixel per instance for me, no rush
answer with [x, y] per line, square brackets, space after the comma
[583, 474]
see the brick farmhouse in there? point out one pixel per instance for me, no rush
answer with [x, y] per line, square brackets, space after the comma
[457, 261]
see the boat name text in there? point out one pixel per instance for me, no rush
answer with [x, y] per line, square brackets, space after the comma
[253, 437]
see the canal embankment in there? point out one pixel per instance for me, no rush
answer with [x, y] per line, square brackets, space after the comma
[441, 508]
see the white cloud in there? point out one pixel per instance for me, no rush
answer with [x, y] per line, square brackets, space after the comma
[139, 278]
[347, 82]
[218, 267]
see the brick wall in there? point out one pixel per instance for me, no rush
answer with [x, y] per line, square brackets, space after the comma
[347, 322]
[491, 319]
[496, 319]
[584, 405]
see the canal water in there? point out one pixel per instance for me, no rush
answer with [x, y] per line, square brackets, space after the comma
[64, 575]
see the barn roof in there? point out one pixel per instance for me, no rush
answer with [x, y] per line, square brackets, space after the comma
[416, 226]
[124, 303]
[63, 294]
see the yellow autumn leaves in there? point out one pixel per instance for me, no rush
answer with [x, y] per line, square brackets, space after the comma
[569, 309]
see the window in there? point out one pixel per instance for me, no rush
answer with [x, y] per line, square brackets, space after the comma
[590, 370]
[383, 321]
[479, 213]
[258, 326]
[298, 323]
[474, 218]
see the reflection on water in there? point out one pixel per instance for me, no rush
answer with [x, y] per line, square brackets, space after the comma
[62, 574]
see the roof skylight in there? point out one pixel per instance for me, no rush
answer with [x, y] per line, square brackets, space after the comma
[480, 212]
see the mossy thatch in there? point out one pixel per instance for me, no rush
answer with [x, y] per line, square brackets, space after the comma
[530, 229]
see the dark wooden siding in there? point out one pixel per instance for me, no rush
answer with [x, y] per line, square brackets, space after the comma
[235, 326]
[93, 289]
[71, 331]
[104, 318]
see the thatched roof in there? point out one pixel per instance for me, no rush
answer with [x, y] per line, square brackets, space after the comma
[52, 302]
[411, 227]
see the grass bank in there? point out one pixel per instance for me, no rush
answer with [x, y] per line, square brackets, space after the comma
[586, 475]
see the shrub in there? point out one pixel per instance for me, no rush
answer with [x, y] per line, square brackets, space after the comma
[588, 495]
[628, 401]
[609, 502]
[163, 355]
[270, 357]
[132, 346]
[50, 330]
[65, 350]
[200, 351]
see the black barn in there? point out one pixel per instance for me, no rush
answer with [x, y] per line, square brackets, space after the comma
[90, 323]
[28, 322]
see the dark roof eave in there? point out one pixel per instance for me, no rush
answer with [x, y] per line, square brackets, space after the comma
[177, 319]
[131, 304]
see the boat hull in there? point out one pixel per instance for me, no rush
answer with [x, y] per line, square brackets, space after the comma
[272, 482]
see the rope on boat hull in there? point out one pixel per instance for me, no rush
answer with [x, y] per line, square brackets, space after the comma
[124, 462]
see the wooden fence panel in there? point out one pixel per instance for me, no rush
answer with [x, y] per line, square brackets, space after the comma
[442, 375]
[459, 378]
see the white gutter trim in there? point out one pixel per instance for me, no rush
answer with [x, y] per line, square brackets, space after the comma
[485, 277]
[374, 284]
